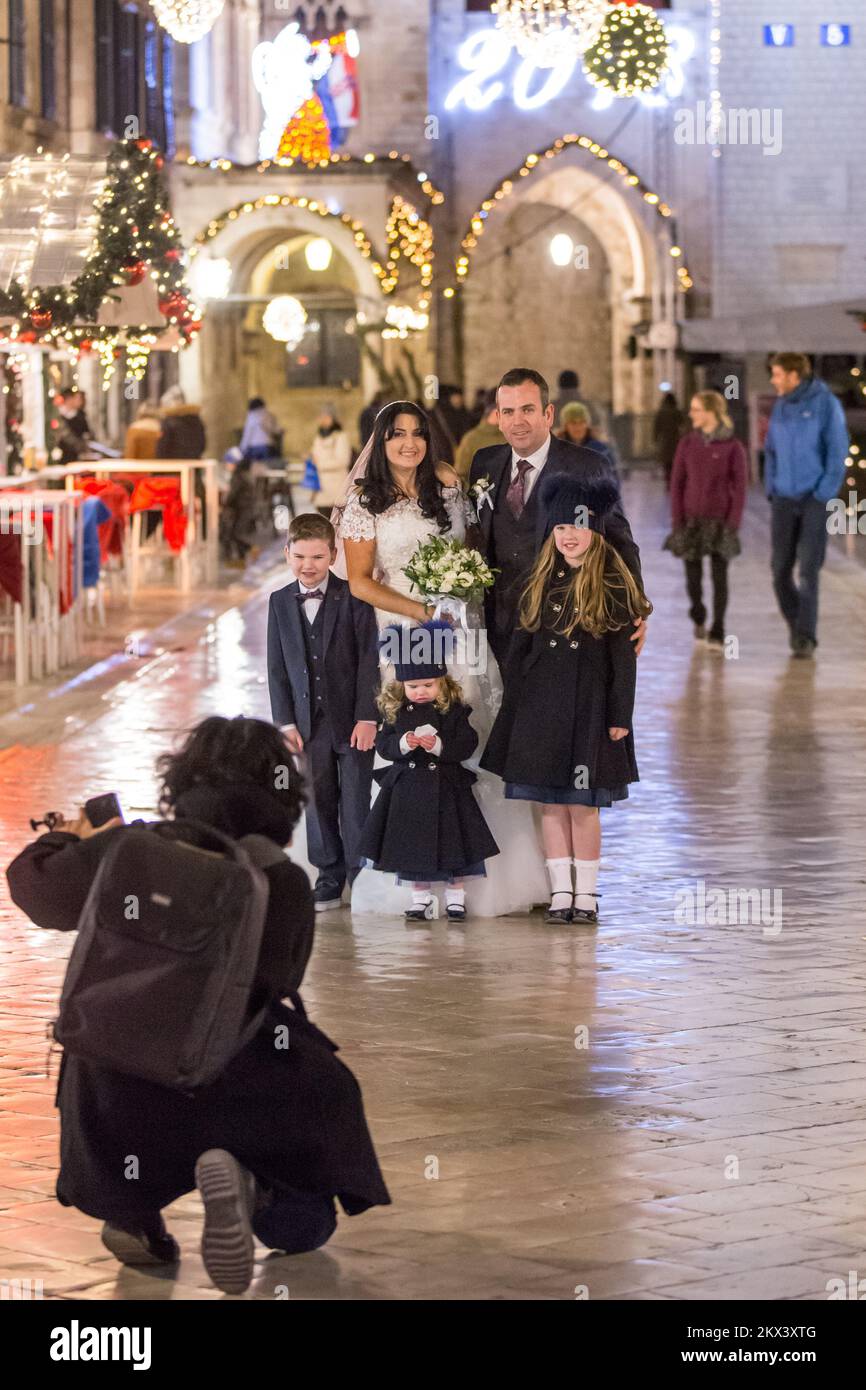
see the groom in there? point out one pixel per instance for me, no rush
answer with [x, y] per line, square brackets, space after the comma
[511, 526]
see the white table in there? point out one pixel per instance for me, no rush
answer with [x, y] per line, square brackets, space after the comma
[198, 550]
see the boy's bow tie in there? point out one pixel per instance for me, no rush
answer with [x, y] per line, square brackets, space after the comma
[311, 593]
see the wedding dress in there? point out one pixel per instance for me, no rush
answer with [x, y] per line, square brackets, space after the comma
[516, 877]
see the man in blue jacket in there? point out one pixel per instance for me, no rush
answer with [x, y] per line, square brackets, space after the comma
[805, 452]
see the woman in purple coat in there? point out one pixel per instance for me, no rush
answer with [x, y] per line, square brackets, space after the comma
[708, 494]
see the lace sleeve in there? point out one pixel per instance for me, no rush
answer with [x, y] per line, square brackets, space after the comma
[459, 504]
[356, 523]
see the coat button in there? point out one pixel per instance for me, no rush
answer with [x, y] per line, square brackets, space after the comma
[557, 608]
[560, 574]
[553, 642]
[410, 706]
[573, 645]
[432, 767]
[413, 764]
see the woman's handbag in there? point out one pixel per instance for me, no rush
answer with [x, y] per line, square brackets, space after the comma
[311, 476]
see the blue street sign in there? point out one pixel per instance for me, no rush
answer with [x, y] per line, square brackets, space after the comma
[836, 35]
[779, 35]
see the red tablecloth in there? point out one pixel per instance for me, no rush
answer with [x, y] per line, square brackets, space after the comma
[116, 498]
[162, 493]
[11, 573]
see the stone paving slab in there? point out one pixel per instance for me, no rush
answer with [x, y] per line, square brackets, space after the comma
[708, 1144]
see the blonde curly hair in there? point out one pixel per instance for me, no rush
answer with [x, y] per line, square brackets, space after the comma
[394, 694]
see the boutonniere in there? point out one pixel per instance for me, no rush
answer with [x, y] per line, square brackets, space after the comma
[482, 492]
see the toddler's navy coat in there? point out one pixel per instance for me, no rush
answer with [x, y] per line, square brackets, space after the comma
[425, 822]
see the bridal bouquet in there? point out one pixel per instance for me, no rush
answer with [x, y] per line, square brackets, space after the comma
[449, 569]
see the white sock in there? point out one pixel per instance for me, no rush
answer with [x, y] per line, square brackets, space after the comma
[455, 897]
[585, 883]
[559, 873]
[420, 897]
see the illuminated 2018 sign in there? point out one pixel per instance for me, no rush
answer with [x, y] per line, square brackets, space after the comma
[486, 54]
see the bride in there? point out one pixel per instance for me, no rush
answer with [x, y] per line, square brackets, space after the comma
[396, 498]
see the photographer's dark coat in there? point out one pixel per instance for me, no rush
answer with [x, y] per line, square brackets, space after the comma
[293, 1115]
[561, 696]
[425, 822]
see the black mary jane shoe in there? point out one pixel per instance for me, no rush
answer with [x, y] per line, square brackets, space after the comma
[560, 914]
[586, 916]
[420, 914]
[454, 913]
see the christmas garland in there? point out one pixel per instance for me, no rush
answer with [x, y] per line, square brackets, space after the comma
[136, 232]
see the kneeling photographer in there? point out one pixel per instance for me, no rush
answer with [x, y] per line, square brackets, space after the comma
[182, 1067]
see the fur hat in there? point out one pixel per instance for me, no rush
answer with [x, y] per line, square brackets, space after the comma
[581, 499]
[418, 653]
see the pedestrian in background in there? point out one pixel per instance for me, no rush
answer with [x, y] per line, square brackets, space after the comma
[668, 425]
[804, 465]
[259, 440]
[182, 435]
[708, 494]
[570, 394]
[575, 425]
[142, 436]
[481, 436]
[331, 453]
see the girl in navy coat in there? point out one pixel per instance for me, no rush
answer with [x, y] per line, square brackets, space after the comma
[425, 825]
[563, 735]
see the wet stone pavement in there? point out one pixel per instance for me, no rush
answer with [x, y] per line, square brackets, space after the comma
[671, 1107]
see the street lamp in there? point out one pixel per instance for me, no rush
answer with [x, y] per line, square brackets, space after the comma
[318, 253]
[562, 249]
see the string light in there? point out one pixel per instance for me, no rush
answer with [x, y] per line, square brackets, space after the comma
[715, 76]
[630, 54]
[536, 161]
[187, 20]
[411, 237]
[272, 166]
[550, 31]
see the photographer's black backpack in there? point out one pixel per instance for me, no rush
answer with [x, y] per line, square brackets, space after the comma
[160, 978]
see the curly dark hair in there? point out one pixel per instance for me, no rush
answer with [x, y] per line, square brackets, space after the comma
[377, 489]
[221, 752]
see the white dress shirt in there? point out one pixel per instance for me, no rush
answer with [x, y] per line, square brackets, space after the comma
[311, 606]
[538, 460]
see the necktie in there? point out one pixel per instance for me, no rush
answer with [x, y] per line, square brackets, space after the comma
[515, 497]
[311, 593]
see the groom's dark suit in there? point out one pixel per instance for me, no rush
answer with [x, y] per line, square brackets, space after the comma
[512, 545]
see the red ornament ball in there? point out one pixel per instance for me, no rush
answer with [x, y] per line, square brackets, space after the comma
[85, 346]
[27, 337]
[144, 144]
[41, 319]
[175, 306]
[159, 162]
[172, 255]
[135, 273]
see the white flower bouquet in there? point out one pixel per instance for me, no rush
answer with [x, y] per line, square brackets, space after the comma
[449, 569]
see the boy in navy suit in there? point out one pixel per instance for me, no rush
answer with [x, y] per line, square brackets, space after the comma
[323, 676]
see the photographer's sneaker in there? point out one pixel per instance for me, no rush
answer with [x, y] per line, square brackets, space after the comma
[141, 1247]
[228, 1192]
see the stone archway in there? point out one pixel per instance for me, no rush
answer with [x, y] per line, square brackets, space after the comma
[221, 370]
[518, 305]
